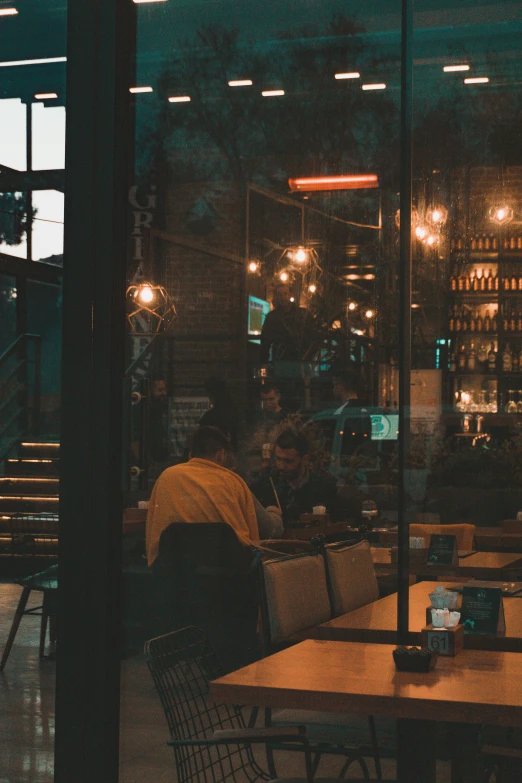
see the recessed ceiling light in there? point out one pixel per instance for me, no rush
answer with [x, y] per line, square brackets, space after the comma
[179, 99]
[477, 80]
[240, 83]
[45, 96]
[8, 12]
[379, 86]
[452, 68]
[272, 93]
[352, 75]
[45, 61]
[136, 90]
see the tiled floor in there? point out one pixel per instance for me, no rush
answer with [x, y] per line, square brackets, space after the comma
[27, 716]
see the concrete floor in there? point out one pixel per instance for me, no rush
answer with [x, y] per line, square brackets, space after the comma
[27, 716]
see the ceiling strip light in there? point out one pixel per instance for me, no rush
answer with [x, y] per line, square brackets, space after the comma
[137, 90]
[45, 96]
[477, 80]
[272, 93]
[341, 182]
[354, 75]
[179, 99]
[453, 68]
[44, 61]
[149, 1]
[240, 83]
[8, 11]
[378, 86]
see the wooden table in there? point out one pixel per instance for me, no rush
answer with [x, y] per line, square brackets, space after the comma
[486, 539]
[474, 687]
[377, 622]
[481, 565]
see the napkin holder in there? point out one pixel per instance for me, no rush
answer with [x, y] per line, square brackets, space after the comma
[443, 641]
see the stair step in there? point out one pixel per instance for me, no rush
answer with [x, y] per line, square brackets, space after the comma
[27, 485]
[35, 466]
[29, 503]
[33, 449]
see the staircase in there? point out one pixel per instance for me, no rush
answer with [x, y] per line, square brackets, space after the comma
[29, 485]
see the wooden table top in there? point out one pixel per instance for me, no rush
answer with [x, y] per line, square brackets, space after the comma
[481, 565]
[474, 687]
[486, 538]
[377, 622]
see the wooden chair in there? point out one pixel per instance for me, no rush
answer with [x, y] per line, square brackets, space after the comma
[464, 532]
[294, 599]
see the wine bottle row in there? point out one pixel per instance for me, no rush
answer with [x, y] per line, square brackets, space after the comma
[484, 358]
[487, 242]
[465, 320]
[485, 280]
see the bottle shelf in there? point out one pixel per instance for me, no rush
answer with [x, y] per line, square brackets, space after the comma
[478, 296]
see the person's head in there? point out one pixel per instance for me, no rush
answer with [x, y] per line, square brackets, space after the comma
[345, 385]
[270, 396]
[210, 443]
[217, 390]
[158, 388]
[292, 452]
[282, 295]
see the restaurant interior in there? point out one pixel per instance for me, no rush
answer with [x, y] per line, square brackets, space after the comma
[260, 271]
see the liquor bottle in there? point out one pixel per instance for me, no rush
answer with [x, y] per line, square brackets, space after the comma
[472, 358]
[453, 282]
[482, 355]
[506, 284]
[520, 283]
[472, 278]
[519, 242]
[460, 243]
[452, 318]
[492, 359]
[494, 242]
[505, 319]
[512, 322]
[480, 242]
[513, 282]
[512, 243]
[491, 281]
[467, 282]
[519, 322]
[515, 365]
[460, 282]
[494, 321]
[487, 242]
[476, 280]
[473, 245]
[507, 359]
[487, 322]
[452, 362]
[473, 321]
[520, 361]
[464, 321]
[462, 358]
[458, 321]
[484, 282]
[479, 323]
[497, 285]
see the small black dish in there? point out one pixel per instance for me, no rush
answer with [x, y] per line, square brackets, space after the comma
[414, 659]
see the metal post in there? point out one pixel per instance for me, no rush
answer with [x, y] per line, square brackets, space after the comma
[29, 167]
[405, 311]
[89, 615]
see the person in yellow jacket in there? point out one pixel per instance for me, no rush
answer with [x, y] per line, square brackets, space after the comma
[204, 490]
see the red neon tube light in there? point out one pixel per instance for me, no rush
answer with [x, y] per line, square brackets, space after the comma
[341, 182]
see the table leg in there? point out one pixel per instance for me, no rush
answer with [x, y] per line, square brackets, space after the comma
[416, 751]
[465, 753]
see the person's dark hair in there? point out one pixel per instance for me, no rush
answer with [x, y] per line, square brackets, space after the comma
[270, 386]
[349, 379]
[207, 441]
[290, 439]
[217, 390]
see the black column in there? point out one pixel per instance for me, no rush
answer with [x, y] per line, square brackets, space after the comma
[87, 695]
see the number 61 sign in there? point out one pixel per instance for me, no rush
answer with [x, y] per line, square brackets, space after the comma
[443, 641]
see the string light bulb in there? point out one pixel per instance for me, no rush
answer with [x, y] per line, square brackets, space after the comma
[300, 255]
[431, 240]
[502, 214]
[369, 314]
[421, 232]
[284, 277]
[253, 266]
[312, 288]
[437, 215]
[352, 306]
[145, 294]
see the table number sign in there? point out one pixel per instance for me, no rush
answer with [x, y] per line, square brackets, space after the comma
[444, 641]
[443, 550]
[483, 610]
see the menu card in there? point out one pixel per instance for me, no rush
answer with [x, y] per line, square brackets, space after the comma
[443, 550]
[482, 610]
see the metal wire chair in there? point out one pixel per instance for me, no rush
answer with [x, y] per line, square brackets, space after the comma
[211, 742]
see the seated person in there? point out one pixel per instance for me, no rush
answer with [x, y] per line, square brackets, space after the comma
[204, 490]
[298, 487]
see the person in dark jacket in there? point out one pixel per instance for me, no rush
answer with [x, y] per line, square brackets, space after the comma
[288, 330]
[294, 485]
[222, 414]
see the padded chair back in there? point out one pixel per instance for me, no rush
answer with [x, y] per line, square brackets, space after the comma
[207, 577]
[294, 597]
[465, 533]
[351, 576]
[182, 664]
